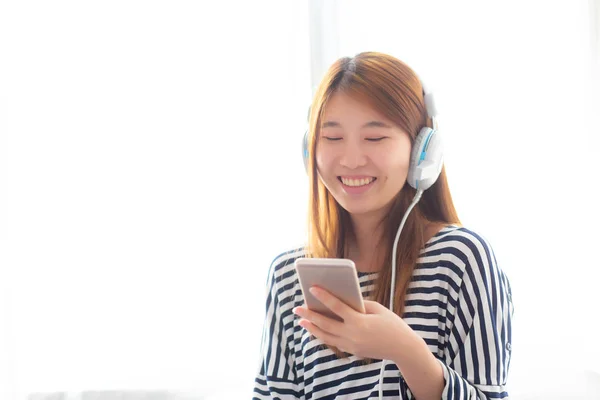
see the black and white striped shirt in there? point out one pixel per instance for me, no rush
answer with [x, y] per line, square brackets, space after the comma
[459, 302]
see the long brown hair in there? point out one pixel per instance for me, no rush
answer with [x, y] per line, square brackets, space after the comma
[393, 89]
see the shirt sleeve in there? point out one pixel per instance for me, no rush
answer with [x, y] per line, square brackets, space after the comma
[276, 377]
[478, 326]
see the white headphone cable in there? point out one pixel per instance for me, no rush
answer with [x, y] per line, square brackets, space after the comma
[393, 285]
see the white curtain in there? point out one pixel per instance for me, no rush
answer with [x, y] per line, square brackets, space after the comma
[150, 170]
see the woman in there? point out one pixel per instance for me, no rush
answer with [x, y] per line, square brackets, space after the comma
[449, 333]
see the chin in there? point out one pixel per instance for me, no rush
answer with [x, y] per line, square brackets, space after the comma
[366, 206]
[360, 209]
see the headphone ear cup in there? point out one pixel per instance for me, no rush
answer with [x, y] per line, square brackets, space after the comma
[305, 143]
[415, 156]
[426, 159]
[305, 151]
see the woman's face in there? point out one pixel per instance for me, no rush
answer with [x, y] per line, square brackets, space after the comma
[362, 157]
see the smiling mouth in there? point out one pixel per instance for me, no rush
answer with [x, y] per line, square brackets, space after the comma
[356, 182]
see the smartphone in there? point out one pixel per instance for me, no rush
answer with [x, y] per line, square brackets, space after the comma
[336, 275]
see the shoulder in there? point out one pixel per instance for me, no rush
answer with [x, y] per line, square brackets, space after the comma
[468, 261]
[281, 271]
[453, 236]
[469, 251]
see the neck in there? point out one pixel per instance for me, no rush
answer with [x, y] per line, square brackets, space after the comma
[362, 247]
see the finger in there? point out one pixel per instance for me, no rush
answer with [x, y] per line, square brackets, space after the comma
[322, 321]
[373, 307]
[319, 333]
[333, 303]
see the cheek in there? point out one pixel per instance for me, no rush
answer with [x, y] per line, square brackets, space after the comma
[323, 159]
[394, 165]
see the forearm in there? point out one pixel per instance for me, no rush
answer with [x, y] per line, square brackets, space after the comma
[419, 367]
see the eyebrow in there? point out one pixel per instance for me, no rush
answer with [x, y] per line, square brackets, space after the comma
[370, 124]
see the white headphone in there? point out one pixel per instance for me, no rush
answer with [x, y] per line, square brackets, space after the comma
[427, 156]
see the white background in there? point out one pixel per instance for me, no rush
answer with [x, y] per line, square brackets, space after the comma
[150, 171]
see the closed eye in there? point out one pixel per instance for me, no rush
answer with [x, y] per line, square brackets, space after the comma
[331, 138]
[379, 139]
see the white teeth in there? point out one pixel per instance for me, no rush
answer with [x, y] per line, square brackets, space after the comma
[357, 182]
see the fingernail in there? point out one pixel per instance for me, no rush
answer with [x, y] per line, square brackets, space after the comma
[314, 290]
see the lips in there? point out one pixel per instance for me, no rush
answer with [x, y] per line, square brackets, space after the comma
[357, 185]
[356, 182]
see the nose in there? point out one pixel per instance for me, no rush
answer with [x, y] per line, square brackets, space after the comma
[353, 155]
